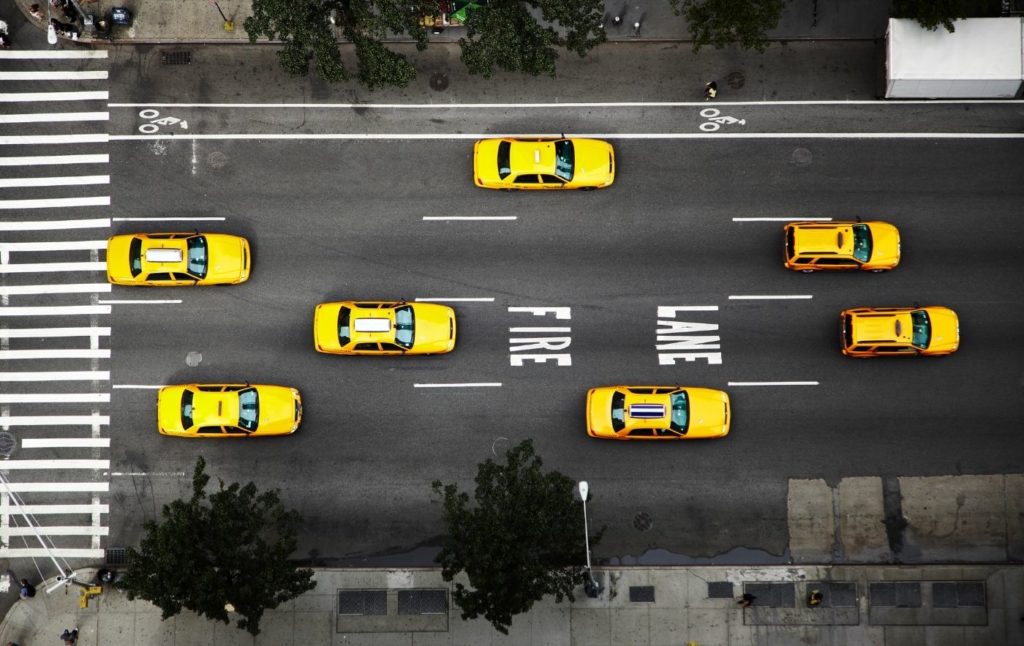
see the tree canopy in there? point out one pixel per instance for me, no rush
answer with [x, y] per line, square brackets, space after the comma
[932, 13]
[521, 540]
[230, 547]
[725, 22]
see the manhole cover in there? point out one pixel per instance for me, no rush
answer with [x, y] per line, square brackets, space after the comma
[736, 80]
[802, 157]
[176, 58]
[643, 521]
[193, 359]
[439, 81]
[217, 159]
[7, 444]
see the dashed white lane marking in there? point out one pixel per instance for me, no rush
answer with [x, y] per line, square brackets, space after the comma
[795, 218]
[136, 386]
[35, 510]
[25, 140]
[57, 530]
[65, 442]
[59, 375]
[148, 474]
[430, 218]
[169, 301]
[53, 53]
[53, 117]
[47, 332]
[55, 398]
[455, 136]
[83, 75]
[47, 225]
[773, 383]
[71, 288]
[169, 219]
[46, 160]
[668, 311]
[70, 180]
[53, 420]
[34, 267]
[456, 299]
[58, 487]
[26, 465]
[569, 104]
[769, 297]
[69, 245]
[56, 202]
[59, 353]
[530, 330]
[495, 384]
[55, 310]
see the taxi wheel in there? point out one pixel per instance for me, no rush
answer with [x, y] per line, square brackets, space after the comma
[587, 188]
[807, 271]
[877, 271]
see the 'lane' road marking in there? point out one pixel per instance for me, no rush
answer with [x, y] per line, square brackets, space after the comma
[792, 219]
[570, 104]
[455, 136]
[468, 217]
[455, 299]
[136, 386]
[767, 297]
[187, 219]
[153, 302]
[773, 383]
[496, 384]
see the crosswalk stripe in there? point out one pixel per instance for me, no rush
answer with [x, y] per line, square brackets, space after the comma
[56, 202]
[58, 487]
[61, 552]
[98, 353]
[28, 465]
[68, 245]
[47, 332]
[24, 140]
[57, 530]
[40, 510]
[52, 420]
[65, 442]
[70, 288]
[55, 398]
[61, 75]
[60, 225]
[33, 267]
[55, 310]
[46, 160]
[53, 53]
[57, 375]
[69, 180]
[53, 117]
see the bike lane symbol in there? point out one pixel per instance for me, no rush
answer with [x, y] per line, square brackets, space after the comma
[155, 121]
[714, 121]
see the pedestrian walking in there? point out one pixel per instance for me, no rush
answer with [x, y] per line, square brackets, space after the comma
[36, 12]
[27, 589]
[746, 600]
[70, 637]
[710, 90]
[814, 598]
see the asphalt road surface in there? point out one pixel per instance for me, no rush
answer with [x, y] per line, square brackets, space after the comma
[689, 233]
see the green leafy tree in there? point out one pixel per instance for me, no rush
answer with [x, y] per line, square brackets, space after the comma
[724, 22]
[227, 548]
[505, 34]
[522, 540]
[932, 13]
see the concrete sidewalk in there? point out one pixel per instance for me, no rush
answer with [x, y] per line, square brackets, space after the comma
[863, 605]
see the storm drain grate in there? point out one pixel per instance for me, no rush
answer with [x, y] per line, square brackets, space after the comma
[641, 593]
[719, 590]
[176, 58]
[953, 595]
[116, 556]
[774, 595]
[899, 595]
[362, 602]
[7, 444]
[422, 602]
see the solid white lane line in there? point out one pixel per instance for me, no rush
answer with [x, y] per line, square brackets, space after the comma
[179, 219]
[47, 332]
[56, 487]
[84, 75]
[51, 552]
[528, 330]
[569, 104]
[456, 299]
[46, 160]
[152, 302]
[53, 53]
[653, 136]
[25, 140]
[74, 180]
[55, 398]
[13, 355]
[765, 297]
[54, 117]
[496, 384]
[59, 375]
[795, 218]
[34, 267]
[773, 383]
[65, 442]
[69, 245]
[47, 225]
[71, 288]
[26, 465]
[430, 218]
[668, 311]
[55, 310]
[136, 386]
[57, 530]
[36, 510]
[56, 202]
[53, 420]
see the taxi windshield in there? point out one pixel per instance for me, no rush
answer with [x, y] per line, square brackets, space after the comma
[186, 409]
[861, 242]
[404, 324]
[248, 409]
[197, 256]
[680, 412]
[922, 329]
[618, 411]
[565, 159]
[344, 331]
[135, 256]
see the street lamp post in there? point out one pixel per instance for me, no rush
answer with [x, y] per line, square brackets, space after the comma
[591, 587]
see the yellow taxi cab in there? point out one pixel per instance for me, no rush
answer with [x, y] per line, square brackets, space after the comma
[174, 259]
[542, 164]
[899, 331]
[830, 246]
[228, 410]
[657, 413]
[383, 328]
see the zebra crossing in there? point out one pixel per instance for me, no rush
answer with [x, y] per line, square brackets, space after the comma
[54, 324]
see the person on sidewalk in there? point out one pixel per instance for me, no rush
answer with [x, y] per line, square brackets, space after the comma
[36, 12]
[746, 600]
[710, 90]
[27, 589]
[814, 598]
[70, 637]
